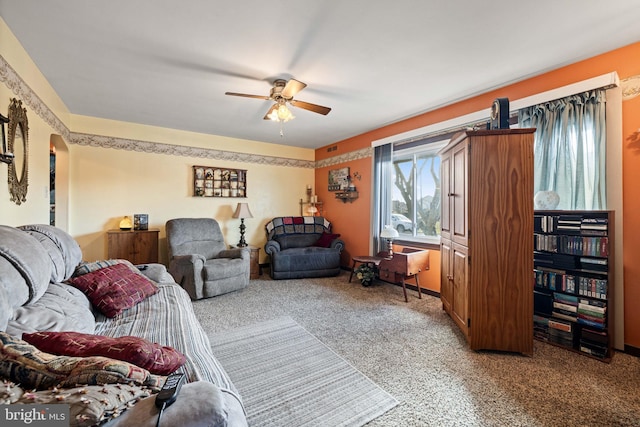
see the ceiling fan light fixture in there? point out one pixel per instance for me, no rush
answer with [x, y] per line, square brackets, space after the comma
[281, 114]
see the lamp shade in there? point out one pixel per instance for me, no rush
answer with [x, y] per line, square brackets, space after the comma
[242, 211]
[389, 232]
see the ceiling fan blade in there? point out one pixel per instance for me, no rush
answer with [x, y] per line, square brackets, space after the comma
[273, 107]
[292, 87]
[311, 107]
[246, 95]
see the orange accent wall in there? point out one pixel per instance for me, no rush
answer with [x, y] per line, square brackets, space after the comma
[353, 221]
[350, 219]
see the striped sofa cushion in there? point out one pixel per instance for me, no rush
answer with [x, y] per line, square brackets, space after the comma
[167, 318]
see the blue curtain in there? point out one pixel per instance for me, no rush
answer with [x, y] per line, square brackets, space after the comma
[382, 170]
[570, 149]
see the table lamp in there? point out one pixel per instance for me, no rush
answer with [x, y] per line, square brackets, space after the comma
[389, 233]
[242, 212]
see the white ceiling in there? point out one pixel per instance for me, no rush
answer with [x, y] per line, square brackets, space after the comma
[169, 62]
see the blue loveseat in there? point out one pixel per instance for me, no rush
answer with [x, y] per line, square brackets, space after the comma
[302, 246]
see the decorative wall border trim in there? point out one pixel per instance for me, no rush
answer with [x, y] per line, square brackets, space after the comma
[21, 89]
[184, 151]
[347, 157]
[630, 87]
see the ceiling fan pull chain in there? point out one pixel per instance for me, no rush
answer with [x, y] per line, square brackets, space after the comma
[281, 130]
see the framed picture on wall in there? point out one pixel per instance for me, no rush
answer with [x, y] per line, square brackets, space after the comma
[338, 178]
[219, 182]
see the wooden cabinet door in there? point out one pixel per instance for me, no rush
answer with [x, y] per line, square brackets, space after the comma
[446, 275]
[459, 185]
[120, 245]
[139, 247]
[460, 300]
[145, 247]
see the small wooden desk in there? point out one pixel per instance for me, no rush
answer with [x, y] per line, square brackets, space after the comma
[404, 265]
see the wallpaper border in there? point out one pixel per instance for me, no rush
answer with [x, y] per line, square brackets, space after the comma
[21, 89]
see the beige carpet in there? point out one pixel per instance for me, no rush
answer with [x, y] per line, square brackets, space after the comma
[288, 378]
[414, 352]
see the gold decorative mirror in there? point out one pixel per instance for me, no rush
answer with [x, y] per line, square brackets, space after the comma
[18, 144]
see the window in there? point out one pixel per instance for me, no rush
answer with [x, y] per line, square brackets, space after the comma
[415, 198]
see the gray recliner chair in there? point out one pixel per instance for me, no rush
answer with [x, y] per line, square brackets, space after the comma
[200, 261]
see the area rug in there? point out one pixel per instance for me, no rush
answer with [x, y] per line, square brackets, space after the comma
[287, 377]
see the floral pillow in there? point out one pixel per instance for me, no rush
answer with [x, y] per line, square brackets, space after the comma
[89, 405]
[157, 359]
[23, 363]
[115, 288]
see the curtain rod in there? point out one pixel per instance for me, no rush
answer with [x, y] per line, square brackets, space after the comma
[606, 81]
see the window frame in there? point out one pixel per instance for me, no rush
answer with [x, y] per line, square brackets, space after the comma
[430, 146]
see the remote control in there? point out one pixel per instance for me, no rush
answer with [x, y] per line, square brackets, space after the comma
[169, 391]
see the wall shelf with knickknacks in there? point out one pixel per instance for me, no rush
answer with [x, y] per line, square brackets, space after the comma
[347, 195]
[343, 183]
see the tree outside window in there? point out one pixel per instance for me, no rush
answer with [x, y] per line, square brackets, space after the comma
[416, 192]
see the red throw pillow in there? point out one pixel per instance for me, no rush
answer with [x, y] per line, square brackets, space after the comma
[325, 240]
[157, 359]
[115, 288]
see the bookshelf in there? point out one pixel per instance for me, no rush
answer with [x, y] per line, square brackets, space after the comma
[573, 280]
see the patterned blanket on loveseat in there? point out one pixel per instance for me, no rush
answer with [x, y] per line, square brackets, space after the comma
[302, 246]
[297, 225]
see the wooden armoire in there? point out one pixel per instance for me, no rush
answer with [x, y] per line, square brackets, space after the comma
[487, 237]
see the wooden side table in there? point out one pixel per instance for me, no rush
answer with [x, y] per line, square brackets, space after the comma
[255, 262]
[137, 246]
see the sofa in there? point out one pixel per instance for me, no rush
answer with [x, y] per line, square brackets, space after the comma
[42, 295]
[200, 261]
[302, 246]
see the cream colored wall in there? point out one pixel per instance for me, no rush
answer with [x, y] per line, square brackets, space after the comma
[36, 207]
[107, 184]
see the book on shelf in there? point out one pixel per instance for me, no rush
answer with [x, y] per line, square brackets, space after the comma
[592, 302]
[581, 245]
[593, 336]
[590, 308]
[591, 323]
[544, 223]
[564, 315]
[558, 325]
[593, 349]
[566, 299]
[569, 223]
[592, 287]
[594, 226]
[565, 307]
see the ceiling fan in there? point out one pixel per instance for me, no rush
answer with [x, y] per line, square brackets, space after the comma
[282, 93]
